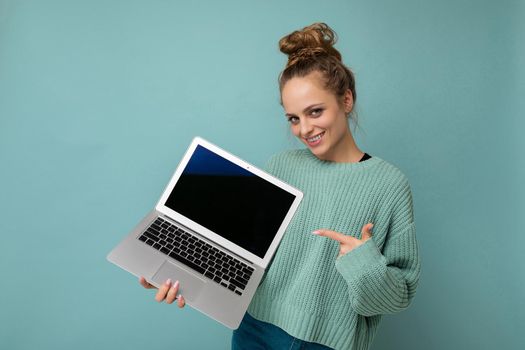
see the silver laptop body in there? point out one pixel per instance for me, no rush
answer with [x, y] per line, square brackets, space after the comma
[215, 229]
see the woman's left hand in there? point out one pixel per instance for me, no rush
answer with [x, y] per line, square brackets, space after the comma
[347, 243]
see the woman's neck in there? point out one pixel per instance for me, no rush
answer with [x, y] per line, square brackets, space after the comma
[346, 151]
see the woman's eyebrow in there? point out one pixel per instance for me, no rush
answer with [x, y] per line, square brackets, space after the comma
[312, 106]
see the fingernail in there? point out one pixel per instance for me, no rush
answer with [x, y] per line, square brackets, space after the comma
[168, 282]
[316, 232]
[371, 227]
[175, 285]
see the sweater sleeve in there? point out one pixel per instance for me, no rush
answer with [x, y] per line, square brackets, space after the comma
[384, 282]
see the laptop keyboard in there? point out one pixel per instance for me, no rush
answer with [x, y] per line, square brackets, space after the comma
[197, 254]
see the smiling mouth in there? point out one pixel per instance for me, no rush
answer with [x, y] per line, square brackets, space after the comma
[314, 139]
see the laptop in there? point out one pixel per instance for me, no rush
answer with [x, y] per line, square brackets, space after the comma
[214, 229]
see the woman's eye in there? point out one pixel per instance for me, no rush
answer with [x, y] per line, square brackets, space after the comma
[293, 120]
[316, 112]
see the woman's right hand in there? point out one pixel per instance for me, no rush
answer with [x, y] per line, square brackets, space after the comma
[167, 292]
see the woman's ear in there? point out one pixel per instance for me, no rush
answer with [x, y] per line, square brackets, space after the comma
[348, 101]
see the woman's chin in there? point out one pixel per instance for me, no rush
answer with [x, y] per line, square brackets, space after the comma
[318, 152]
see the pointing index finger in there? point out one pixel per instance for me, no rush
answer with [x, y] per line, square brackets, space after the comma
[336, 236]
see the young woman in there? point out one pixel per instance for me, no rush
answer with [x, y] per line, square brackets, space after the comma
[331, 278]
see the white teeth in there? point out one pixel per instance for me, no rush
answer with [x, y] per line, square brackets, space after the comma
[315, 138]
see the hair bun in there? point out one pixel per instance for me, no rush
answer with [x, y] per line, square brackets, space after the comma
[314, 40]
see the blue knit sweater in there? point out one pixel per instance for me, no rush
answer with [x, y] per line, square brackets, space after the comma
[338, 302]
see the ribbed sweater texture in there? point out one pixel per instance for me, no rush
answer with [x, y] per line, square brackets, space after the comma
[311, 293]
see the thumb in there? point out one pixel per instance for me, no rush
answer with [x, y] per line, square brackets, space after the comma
[366, 231]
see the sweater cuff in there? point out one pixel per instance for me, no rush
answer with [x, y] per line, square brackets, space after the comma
[353, 264]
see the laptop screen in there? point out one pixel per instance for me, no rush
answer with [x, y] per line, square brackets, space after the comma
[230, 201]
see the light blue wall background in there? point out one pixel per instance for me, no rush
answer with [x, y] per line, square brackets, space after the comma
[99, 99]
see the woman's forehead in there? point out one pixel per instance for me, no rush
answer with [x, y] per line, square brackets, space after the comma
[300, 92]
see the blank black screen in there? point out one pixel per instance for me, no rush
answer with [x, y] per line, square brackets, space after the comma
[230, 201]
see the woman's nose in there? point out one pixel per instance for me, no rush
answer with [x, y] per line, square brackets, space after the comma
[306, 128]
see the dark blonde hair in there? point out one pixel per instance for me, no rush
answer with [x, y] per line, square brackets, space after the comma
[312, 50]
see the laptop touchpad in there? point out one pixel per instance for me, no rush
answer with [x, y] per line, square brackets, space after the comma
[190, 284]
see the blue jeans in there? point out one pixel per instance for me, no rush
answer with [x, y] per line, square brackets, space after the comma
[253, 334]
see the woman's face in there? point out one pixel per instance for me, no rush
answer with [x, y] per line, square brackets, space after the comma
[318, 117]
